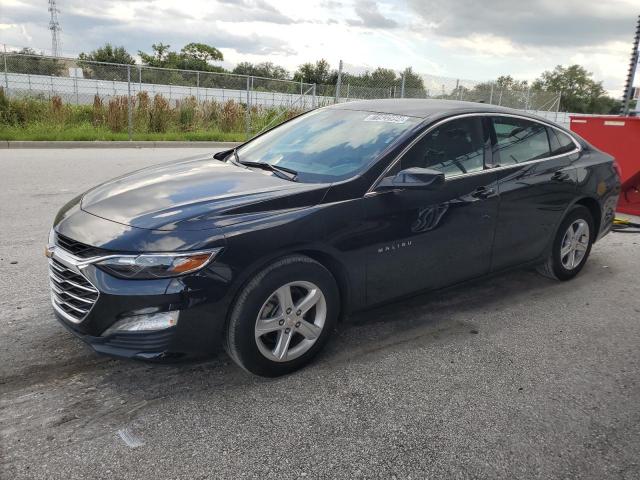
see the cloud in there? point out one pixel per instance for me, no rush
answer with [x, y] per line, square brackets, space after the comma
[370, 16]
[566, 23]
[250, 11]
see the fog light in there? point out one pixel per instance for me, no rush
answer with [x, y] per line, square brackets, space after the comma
[144, 323]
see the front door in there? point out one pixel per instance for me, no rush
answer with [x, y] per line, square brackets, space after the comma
[424, 239]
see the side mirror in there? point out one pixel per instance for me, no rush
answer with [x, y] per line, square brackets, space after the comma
[413, 178]
[223, 154]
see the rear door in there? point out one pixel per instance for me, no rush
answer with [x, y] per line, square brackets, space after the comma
[536, 183]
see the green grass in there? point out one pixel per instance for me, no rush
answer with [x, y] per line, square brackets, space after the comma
[87, 132]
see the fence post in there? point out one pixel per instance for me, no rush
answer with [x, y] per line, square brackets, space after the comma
[338, 82]
[491, 95]
[527, 100]
[558, 105]
[248, 108]
[313, 99]
[129, 106]
[6, 77]
[304, 106]
[402, 86]
[198, 86]
[139, 78]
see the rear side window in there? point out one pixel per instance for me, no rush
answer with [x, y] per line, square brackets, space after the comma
[454, 148]
[560, 142]
[519, 141]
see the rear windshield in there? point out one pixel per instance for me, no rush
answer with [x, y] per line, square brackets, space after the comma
[328, 145]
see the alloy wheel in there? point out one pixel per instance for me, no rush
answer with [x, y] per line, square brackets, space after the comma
[575, 244]
[290, 321]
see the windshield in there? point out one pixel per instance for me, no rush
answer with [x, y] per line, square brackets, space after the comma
[327, 145]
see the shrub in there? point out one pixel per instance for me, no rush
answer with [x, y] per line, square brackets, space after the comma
[98, 115]
[141, 113]
[117, 114]
[231, 117]
[187, 114]
[5, 107]
[57, 111]
[79, 114]
[160, 115]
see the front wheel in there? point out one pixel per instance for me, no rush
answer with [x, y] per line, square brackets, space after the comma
[571, 246]
[283, 317]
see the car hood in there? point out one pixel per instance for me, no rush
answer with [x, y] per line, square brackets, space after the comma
[196, 195]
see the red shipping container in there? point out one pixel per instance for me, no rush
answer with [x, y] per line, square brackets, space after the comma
[619, 137]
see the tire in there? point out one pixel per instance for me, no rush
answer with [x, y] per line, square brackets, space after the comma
[559, 265]
[262, 337]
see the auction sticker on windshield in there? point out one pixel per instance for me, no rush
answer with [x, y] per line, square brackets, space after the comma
[385, 117]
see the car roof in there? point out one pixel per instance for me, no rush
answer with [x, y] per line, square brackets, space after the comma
[422, 108]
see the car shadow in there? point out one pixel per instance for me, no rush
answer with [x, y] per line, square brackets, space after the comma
[423, 317]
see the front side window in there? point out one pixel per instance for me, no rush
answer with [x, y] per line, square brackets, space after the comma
[328, 145]
[518, 141]
[454, 148]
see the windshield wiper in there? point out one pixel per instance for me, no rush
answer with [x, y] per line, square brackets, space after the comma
[283, 172]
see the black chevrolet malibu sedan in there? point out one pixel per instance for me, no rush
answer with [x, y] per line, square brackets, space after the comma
[264, 247]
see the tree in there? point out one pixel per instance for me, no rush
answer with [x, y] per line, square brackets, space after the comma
[159, 56]
[193, 56]
[265, 69]
[28, 61]
[580, 93]
[197, 56]
[201, 52]
[413, 84]
[319, 73]
[383, 77]
[507, 82]
[106, 54]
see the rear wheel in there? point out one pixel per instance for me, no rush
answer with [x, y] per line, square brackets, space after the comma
[283, 317]
[571, 246]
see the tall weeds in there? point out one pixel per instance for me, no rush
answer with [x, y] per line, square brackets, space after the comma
[149, 115]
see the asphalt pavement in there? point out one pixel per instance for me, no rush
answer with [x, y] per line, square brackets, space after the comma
[517, 376]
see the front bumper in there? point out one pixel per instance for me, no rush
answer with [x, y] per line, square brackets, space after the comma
[201, 299]
[147, 346]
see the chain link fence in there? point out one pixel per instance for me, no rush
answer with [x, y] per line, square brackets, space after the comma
[354, 84]
[138, 98]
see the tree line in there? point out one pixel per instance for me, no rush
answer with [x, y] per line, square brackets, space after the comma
[579, 92]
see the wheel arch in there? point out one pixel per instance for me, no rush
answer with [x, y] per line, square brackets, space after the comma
[339, 272]
[335, 267]
[593, 206]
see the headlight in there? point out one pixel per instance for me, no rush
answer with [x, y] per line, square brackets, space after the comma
[156, 265]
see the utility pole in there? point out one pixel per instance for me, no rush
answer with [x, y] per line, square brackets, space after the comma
[54, 26]
[628, 87]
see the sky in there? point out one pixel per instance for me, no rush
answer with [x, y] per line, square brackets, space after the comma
[466, 39]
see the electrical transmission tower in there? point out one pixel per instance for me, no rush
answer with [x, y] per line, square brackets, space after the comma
[628, 87]
[54, 26]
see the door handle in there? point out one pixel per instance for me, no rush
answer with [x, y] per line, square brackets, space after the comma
[560, 176]
[483, 192]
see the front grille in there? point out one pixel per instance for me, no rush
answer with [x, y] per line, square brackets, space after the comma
[71, 292]
[76, 248]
